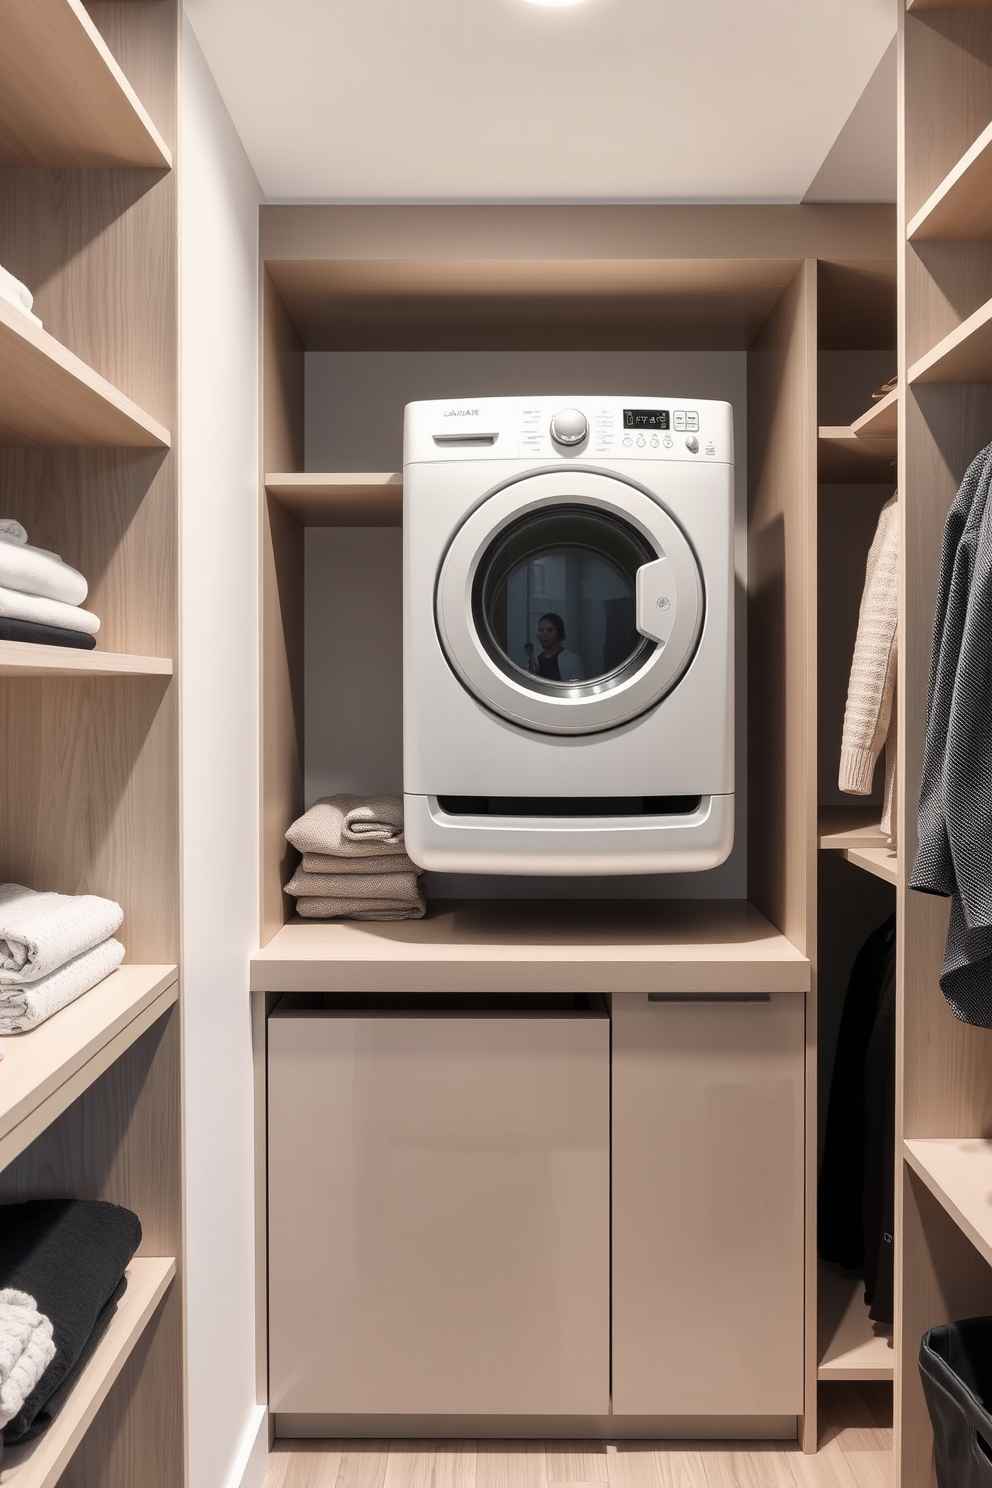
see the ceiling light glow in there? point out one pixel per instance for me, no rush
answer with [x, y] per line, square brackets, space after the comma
[556, 3]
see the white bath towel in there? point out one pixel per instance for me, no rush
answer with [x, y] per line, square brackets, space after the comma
[27, 1005]
[46, 611]
[39, 932]
[16, 293]
[27, 1347]
[12, 531]
[35, 571]
[350, 826]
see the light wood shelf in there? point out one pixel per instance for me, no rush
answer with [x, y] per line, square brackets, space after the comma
[960, 209]
[962, 356]
[506, 946]
[855, 833]
[958, 1172]
[913, 5]
[852, 1347]
[354, 499]
[46, 1069]
[40, 1463]
[63, 98]
[862, 451]
[882, 419]
[49, 396]
[882, 862]
[23, 659]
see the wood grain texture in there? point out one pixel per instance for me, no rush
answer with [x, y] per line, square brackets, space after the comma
[63, 97]
[49, 396]
[280, 610]
[849, 826]
[355, 499]
[21, 659]
[960, 205]
[851, 1346]
[842, 457]
[948, 78]
[502, 945]
[958, 1172]
[964, 355]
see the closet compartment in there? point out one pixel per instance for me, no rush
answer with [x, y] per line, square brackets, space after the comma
[708, 1227]
[439, 1205]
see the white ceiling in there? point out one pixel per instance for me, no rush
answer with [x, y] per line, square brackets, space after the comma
[610, 100]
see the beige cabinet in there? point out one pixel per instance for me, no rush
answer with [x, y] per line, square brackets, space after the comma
[708, 1133]
[439, 1206]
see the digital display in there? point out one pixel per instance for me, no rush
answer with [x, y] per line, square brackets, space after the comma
[646, 418]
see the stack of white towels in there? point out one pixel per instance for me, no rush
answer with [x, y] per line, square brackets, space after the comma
[53, 948]
[354, 864]
[40, 596]
[27, 1347]
[17, 294]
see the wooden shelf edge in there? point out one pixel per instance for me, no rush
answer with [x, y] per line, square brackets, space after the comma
[958, 1172]
[31, 346]
[881, 862]
[47, 1068]
[159, 154]
[302, 483]
[40, 1464]
[349, 499]
[24, 659]
[849, 826]
[964, 355]
[854, 1347]
[882, 419]
[968, 177]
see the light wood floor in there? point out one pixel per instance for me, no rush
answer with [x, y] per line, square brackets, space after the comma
[855, 1452]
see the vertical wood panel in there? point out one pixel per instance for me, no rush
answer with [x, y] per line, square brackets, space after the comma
[281, 609]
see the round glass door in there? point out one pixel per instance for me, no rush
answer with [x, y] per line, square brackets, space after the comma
[554, 600]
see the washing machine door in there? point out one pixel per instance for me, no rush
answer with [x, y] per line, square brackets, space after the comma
[569, 602]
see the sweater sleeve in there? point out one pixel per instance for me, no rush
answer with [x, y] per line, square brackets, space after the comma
[873, 670]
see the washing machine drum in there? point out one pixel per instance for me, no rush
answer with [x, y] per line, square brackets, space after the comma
[569, 602]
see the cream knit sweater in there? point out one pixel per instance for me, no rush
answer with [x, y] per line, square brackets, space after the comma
[869, 718]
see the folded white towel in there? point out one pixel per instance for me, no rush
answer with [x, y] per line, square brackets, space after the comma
[39, 932]
[350, 826]
[27, 1347]
[17, 606]
[16, 293]
[35, 571]
[12, 531]
[26, 1006]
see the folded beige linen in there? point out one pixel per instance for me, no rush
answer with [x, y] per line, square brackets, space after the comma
[350, 826]
[393, 862]
[359, 909]
[401, 886]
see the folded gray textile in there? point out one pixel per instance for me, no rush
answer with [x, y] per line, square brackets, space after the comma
[12, 531]
[340, 908]
[954, 858]
[350, 826]
[24, 1006]
[41, 932]
[401, 886]
[70, 1254]
[394, 862]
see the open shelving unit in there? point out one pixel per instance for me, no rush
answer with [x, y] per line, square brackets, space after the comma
[852, 1347]
[90, 1100]
[356, 499]
[958, 1172]
[859, 838]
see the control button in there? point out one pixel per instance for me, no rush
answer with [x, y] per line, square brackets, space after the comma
[654, 441]
[711, 448]
[678, 420]
[692, 421]
[668, 441]
[640, 441]
[692, 445]
[627, 441]
[569, 426]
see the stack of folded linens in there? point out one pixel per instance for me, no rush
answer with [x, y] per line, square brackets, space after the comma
[53, 948]
[40, 596]
[68, 1258]
[354, 865]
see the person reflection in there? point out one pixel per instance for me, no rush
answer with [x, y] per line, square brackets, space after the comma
[553, 662]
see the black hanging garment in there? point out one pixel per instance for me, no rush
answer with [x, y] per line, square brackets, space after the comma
[856, 1194]
[955, 851]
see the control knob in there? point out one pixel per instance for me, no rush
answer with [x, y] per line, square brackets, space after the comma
[569, 426]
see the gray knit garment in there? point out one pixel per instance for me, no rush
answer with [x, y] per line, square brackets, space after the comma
[955, 851]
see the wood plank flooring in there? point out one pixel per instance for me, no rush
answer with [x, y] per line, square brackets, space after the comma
[855, 1452]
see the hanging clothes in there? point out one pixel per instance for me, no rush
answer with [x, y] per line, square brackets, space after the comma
[869, 717]
[955, 835]
[856, 1211]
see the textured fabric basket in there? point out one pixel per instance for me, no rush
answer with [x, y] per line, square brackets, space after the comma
[956, 1369]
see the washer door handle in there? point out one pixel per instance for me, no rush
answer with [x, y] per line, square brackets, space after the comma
[657, 600]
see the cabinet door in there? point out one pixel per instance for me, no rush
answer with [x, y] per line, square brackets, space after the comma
[708, 1206]
[439, 1214]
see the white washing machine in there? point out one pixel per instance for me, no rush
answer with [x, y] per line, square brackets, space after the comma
[568, 681]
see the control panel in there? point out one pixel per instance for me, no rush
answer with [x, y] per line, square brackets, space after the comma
[572, 429]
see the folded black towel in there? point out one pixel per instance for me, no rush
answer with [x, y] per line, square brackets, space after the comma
[70, 1255]
[45, 635]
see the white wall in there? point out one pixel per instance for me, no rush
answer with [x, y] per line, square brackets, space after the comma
[219, 430]
[353, 707]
